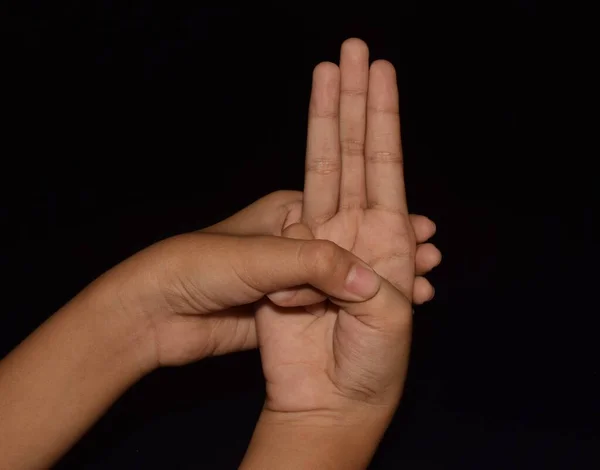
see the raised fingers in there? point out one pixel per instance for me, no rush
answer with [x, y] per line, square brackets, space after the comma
[323, 164]
[354, 68]
[383, 152]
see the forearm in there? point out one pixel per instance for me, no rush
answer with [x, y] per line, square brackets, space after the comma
[317, 441]
[63, 377]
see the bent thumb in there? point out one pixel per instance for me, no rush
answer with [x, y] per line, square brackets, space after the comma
[226, 271]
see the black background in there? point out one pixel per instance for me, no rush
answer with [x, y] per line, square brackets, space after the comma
[127, 122]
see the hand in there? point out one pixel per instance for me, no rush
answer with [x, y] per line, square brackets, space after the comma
[272, 214]
[182, 338]
[347, 382]
[354, 196]
[191, 292]
[164, 306]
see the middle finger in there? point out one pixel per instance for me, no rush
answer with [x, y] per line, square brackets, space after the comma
[354, 68]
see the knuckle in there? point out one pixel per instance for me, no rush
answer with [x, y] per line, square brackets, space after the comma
[320, 219]
[381, 156]
[322, 165]
[322, 257]
[352, 203]
[381, 207]
[352, 147]
[386, 110]
[354, 92]
[327, 255]
[327, 114]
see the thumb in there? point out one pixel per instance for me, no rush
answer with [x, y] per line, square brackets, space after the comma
[213, 272]
[298, 296]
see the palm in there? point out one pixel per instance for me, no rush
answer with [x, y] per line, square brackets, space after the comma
[384, 240]
[354, 196]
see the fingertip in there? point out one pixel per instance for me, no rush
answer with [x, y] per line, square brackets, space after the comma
[382, 67]
[298, 231]
[305, 296]
[422, 300]
[423, 227]
[356, 47]
[363, 281]
[433, 227]
[428, 256]
[283, 298]
[434, 255]
[423, 291]
[326, 71]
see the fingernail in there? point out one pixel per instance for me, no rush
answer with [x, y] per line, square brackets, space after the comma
[281, 296]
[362, 281]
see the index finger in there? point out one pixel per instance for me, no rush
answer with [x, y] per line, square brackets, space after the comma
[323, 164]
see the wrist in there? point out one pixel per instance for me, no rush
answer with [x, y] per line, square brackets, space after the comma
[125, 331]
[318, 439]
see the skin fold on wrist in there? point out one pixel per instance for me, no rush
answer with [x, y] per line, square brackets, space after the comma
[323, 439]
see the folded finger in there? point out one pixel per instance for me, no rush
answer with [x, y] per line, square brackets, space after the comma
[427, 257]
[423, 227]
